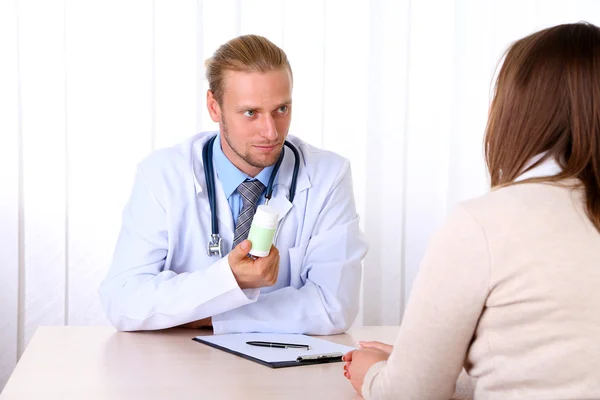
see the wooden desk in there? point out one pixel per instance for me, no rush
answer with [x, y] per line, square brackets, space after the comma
[98, 363]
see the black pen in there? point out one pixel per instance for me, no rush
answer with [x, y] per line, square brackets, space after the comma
[279, 345]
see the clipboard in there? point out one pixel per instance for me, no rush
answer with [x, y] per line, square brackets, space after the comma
[320, 352]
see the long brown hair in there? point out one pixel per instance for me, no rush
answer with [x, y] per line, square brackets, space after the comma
[547, 99]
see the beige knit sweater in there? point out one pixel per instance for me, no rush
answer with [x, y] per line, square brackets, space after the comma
[509, 288]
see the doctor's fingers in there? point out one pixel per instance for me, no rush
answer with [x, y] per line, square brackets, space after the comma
[269, 267]
[240, 252]
[270, 261]
[273, 253]
[238, 256]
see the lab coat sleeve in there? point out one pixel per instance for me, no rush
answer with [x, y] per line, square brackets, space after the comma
[139, 293]
[327, 303]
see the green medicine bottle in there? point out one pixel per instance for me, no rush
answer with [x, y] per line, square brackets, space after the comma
[262, 230]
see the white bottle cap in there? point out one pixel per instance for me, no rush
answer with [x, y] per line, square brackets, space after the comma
[266, 217]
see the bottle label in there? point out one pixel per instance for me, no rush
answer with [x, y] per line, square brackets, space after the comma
[261, 238]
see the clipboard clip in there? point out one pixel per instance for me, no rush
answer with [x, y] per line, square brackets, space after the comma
[326, 356]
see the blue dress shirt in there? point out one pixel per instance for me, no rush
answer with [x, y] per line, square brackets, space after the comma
[231, 177]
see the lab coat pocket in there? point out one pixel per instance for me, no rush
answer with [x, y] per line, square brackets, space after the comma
[296, 262]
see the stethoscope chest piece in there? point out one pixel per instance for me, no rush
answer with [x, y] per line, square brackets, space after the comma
[215, 246]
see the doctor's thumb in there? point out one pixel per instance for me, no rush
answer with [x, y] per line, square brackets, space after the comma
[243, 248]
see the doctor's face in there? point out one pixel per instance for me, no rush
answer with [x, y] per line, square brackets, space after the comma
[254, 117]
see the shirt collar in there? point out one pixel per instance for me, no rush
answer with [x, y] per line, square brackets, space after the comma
[546, 168]
[229, 175]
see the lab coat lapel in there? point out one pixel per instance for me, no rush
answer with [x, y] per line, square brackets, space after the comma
[223, 211]
[280, 202]
[281, 191]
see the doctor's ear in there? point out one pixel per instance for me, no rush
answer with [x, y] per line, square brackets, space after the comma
[214, 109]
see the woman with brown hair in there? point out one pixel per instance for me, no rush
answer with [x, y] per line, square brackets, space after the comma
[510, 286]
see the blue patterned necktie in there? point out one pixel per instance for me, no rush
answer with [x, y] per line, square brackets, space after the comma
[250, 192]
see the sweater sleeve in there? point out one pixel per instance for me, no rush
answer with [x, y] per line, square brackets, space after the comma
[447, 300]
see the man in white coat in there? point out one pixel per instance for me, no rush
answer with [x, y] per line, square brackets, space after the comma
[162, 276]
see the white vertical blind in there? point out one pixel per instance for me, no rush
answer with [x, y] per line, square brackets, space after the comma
[262, 17]
[175, 70]
[430, 105]
[9, 190]
[385, 154]
[220, 22]
[43, 135]
[110, 127]
[87, 89]
[303, 34]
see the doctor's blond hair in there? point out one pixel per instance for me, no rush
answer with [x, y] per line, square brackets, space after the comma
[243, 53]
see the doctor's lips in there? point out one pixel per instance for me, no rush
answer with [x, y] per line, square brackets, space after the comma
[267, 147]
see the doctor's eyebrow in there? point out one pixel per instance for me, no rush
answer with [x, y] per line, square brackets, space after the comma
[249, 107]
[285, 104]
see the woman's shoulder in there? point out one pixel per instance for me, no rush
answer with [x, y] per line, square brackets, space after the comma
[524, 198]
[526, 207]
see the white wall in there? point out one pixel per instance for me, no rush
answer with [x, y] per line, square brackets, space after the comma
[88, 88]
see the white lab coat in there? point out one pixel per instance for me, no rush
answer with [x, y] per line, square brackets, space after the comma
[161, 275]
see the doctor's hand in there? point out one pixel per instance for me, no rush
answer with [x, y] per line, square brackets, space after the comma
[250, 273]
[201, 323]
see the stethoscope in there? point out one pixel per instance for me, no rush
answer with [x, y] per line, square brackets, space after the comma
[215, 245]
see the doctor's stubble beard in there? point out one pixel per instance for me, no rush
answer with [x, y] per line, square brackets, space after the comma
[247, 157]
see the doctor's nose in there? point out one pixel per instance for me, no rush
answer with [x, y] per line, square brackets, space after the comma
[269, 130]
